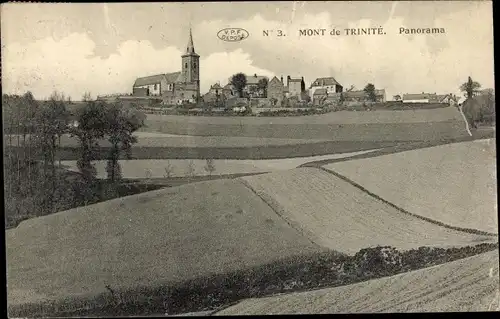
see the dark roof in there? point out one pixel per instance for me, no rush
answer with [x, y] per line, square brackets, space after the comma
[320, 92]
[325, 81]
[254, 79]
[295, 80]
[419, 96]
[154, 79]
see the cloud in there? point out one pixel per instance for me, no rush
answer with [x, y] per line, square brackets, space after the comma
[69, 66]
[399, 63]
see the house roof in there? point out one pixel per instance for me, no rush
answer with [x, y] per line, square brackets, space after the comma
[254, 79]
[320, 92]
[227, 87]
[155, 79]
[419, 96]
[325, 81]
[216, 86]
[295, 80]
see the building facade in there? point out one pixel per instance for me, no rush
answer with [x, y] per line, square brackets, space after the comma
[329, 83]
[177, 87]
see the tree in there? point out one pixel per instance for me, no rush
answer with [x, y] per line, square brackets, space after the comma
[168, 170]
[121, 123]
[210, 166]
[191, 169]
[370, 92]
[262, 85]
[352, 87]
[86, 97]
[239, 82]
[92, 127]
[470, 88]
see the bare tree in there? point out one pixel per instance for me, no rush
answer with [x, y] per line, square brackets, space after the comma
[191, 169]
[168, 170]
[210, 166]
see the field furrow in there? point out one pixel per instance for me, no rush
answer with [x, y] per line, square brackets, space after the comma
[342, 217]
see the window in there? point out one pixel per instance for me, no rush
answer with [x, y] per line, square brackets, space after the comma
[185, 65]
[156, 87]
[194, 65]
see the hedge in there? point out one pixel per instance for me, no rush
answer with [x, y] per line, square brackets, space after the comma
[327, 269]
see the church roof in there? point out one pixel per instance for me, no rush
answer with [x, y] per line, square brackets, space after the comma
[216, 86]
[155, 79]
[190, 46]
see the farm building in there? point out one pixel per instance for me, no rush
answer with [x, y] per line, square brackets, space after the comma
[276, 91]
[419, 97]
[329, 83]
[174, 87]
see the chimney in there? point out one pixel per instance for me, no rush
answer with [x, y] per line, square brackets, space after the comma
[282, 79]
[288, 80]
[255, 75]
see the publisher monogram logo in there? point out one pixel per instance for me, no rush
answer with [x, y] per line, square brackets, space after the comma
[232, 34]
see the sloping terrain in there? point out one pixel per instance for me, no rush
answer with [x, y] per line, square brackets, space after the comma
[336, 214]
[410, 125]
[469, 284]
[148, 240]
[455, 183]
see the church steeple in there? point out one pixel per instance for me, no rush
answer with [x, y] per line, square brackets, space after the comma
[190, 46]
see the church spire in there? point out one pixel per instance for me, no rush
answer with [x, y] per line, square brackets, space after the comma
[190, 46]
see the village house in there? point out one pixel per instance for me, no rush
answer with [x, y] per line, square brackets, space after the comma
[419, 98]
[362, 96]
[252, 88]
[176, 87]
[319, 96]
[329, 83]
[276, 91]
[295, 86]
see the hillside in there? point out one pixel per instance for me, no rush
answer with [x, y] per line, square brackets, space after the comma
[147, 240]
[340, 216]
[411, 125]
[469, 284]
[454, 183]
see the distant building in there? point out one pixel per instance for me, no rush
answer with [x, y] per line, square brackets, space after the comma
[295, 86]
[176, 87]
[276, 91]
[420, 98]
[319, 96]
[329, 83]
[362, 96]
[252, 86]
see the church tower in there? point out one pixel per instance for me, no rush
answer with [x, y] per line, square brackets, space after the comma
[191, 65]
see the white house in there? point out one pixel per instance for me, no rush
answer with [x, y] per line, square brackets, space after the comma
[419, 98]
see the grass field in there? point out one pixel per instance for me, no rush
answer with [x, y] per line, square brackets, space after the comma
[180, 167]
[414, 125]
[148, 240]
[341, 117]
[469, 284]
[337, 215]
[454, 183]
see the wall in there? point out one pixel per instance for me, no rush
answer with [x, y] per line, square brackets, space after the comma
[155, 91]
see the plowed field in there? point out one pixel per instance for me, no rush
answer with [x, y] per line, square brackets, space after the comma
[340, 216]
[469, 284]
[148, 240]
[455, 183]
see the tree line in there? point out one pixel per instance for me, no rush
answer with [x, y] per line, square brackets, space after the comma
[35, 182]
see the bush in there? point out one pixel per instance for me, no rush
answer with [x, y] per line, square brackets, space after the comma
[297, 273]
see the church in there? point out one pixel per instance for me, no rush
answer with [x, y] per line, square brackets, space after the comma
[177, 87]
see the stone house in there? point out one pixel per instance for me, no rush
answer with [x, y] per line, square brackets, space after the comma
[295, 86]
[420, 98]
[275, 91]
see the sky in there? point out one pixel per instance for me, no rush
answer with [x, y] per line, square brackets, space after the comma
[102, 48]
